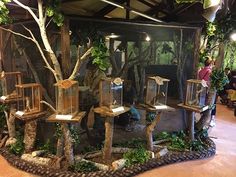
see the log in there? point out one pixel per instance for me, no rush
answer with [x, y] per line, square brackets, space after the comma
[108, 138]
[162, 152]
[98, 165]
[30, 135]
[10, 141]
[3, 141]
[37, 160]
[39, 153]
[150, 128]
[161, 141]
[120, 150]
[118, 164]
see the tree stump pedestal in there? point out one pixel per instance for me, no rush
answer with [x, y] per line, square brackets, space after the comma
[190, 115]
[30, 128]
[109, 123]
[67, 143]
[150, 127]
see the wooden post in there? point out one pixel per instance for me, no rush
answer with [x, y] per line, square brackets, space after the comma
[30, 135]
[65, 48]
[68, 144]
[190, 115]
[108, 138]
[150, 128]
[10, 119]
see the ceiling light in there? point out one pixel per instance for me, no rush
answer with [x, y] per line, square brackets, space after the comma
[112, 35]
[233, 36]
[147, 38]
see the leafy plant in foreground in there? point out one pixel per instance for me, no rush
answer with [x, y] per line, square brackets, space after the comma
[83, 166]
[135, 156]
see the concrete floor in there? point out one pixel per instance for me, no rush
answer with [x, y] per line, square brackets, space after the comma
[221, 165]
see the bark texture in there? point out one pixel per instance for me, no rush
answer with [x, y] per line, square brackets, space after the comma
[108, 138]
[30, 135]
[150, 128]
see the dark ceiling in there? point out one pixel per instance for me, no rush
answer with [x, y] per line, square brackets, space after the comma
[164, 10]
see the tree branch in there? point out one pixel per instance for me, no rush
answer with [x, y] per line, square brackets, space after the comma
[18, 34]
[28, 9]
[41, 51]
[49, 105]
[78, 62]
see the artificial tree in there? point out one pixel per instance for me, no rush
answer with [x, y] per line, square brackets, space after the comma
[46, 9]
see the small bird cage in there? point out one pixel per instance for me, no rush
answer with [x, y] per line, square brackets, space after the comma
[196, 93]
[111, 94]
[31, 98]
[9, 80]
[156, 93]
[67, 99]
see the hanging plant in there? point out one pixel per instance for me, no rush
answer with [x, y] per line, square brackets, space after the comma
[100, 54]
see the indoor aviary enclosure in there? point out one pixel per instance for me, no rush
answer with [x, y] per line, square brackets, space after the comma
[137, 51]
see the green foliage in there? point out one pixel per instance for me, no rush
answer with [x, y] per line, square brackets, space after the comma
[75, 135]
[48, 147]
[53, 10]
[180, 141]
[218, 79]
[100, 54]
[135, 156]
[83, 166]
[18, 147]
[4, 12]
[89, 148]
[58, 132]
[210, 29]
[133, 143]
[150, 117]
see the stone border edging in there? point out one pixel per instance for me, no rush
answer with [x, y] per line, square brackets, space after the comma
[124, 172]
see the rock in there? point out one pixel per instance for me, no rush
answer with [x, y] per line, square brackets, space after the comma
[162, 152]
[118, 164]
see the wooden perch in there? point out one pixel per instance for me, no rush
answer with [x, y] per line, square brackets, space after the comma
[37, 160]
[38, 153]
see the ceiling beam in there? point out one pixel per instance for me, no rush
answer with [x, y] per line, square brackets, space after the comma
[147, 3]
[108, 8]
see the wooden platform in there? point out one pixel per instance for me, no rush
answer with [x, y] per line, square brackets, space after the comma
[104, 111]
[30, 117]
[163, 108]
[194, 109]
[76, 119]
[10, 100]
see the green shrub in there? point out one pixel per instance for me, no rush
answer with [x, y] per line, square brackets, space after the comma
[135, 156]
[18, 147]
[83, 166]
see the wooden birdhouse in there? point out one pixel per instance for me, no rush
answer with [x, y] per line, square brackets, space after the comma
[9, 80]
[31, 98]
[67, 99]
[111, 94]
[156, 93]
[196, 94]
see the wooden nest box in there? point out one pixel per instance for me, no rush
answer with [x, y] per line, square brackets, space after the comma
[111, 94]
[9, 80]
[156, 91]
[30, 103]
[196, 94]
[67, 99]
